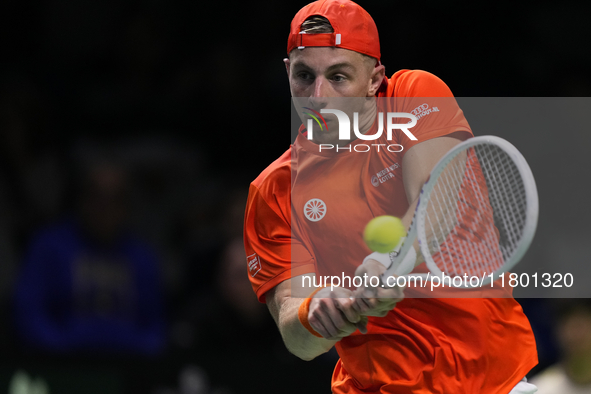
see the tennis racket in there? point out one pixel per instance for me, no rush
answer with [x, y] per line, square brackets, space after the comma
[476, 215]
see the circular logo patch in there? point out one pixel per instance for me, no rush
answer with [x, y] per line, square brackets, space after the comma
[315, 209]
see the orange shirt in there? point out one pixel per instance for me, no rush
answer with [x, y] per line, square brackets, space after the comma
[306, 213]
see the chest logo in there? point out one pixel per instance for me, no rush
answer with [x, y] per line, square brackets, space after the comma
[384, 175]
[423, 110]
[315, 209]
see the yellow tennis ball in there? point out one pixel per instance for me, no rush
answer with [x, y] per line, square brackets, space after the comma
[382, 234]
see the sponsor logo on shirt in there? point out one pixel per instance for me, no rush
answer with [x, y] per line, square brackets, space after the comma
[384, 175]
[314, 209]
[254, 264]
[423, 110]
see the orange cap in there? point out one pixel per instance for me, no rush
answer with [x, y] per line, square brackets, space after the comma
[354, 28]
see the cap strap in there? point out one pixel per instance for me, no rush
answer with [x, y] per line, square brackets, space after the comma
[318, 40]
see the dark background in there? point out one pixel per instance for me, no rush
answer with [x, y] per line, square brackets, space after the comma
[193, 99]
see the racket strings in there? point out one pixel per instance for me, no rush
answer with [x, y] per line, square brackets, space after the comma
[472, 238]
[486, 256]
[508, 198]
[476, 212]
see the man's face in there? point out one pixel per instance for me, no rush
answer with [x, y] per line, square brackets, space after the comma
[320, 77]
[323, 72]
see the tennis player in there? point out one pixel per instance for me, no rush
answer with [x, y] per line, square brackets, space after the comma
[306, 211]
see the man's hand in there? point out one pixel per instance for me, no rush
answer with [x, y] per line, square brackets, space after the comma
[375, 301]
[333, 315]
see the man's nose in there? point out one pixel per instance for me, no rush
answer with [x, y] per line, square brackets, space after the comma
[320, 93]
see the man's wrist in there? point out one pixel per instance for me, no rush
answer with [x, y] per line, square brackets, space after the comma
[387, 259]
[304, 311]
[382, 258]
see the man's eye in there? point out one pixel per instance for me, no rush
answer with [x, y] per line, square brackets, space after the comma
[304, 76]
[338, 78]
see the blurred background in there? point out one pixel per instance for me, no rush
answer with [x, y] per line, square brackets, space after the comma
[123, 180]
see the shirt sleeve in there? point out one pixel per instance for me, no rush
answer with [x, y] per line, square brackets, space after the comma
[429, 99]
[273, 253]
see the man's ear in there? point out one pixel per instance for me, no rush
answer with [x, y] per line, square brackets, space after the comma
[376, 79]
[286, 61]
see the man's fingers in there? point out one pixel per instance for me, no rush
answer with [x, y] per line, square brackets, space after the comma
[330, 317]
[362, 305]
[376, 301]
[359, 321]
[318, 326]
[326, 327]
[362, 325]
[330, 320]
[346, 307]
[344, 302]
[359, 306]
[391, 293]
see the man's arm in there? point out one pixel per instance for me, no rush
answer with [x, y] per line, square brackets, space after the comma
[420, 160]
[330, 314]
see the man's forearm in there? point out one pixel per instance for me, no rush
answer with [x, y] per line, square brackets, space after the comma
[296, 337]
